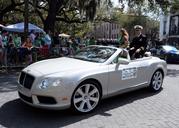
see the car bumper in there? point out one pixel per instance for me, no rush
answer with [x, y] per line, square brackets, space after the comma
[56, 98]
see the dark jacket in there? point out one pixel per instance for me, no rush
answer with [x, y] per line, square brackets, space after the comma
[139, 42]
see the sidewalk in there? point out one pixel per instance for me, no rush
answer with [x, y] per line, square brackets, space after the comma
[11, 69]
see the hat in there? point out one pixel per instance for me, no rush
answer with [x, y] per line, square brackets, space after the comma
[138, 27]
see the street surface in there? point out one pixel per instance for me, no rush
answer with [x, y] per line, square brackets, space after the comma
[139, 109]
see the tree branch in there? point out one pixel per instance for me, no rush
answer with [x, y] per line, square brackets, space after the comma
[70, 21]
[11, 7]
[18, 10]
[40, 15]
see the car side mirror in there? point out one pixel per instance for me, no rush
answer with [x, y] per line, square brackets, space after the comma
[123, 61]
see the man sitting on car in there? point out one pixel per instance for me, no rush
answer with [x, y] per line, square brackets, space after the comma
[139, 43]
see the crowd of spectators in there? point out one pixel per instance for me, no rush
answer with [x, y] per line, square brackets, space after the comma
[14, 50]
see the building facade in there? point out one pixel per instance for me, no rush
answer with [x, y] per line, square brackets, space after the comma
[106, 30]
[169, 29]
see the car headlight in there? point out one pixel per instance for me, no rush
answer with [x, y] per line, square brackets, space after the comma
[56, 83]
[49, 82]
[44, 84]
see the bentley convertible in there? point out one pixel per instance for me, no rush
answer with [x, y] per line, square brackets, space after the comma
[81, 81]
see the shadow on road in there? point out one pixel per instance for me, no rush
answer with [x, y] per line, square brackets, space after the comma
[172, 72]
[18, 115]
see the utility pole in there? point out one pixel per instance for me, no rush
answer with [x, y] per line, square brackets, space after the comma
[26, 18]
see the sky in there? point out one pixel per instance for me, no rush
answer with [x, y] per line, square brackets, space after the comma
[115, 2]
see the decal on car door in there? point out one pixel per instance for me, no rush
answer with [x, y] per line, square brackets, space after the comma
[129, 73]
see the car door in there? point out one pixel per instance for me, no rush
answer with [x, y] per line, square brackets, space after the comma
[124, 76]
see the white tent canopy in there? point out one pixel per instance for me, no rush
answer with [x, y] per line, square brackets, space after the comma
[19, 27]
[2, 26]
[64, 35]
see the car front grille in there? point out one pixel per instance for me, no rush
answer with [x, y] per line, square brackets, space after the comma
[25, 98]
[26, 80]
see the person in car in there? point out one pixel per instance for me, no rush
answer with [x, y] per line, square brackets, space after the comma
[139, 43]
[124, 39]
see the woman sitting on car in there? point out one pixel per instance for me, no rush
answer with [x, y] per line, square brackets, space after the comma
[124, 39]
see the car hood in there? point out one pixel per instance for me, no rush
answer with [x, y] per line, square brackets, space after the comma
[173, 52]
[62, 64]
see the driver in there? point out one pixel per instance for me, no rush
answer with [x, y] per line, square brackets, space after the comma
[138, 44]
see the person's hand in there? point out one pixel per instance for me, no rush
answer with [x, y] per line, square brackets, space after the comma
[138, 50]
[132, 48]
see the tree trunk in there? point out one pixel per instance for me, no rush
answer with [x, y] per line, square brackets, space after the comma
[1, 18]
[49, 22]
[26, 19]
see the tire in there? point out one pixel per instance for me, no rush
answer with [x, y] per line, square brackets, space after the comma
[156, 81]
[86, 97]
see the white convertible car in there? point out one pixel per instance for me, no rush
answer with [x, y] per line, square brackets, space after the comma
[92, 74]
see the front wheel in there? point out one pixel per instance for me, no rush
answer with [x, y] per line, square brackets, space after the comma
[86, 97]
[156, 81]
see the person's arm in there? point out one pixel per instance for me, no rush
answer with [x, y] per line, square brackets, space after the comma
[24, 45]
[132, 45]
[144, 43]
[126, 41]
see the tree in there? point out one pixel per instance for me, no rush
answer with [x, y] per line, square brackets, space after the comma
[85, 8]
[72, 12]
[7, 6]
[175, 6]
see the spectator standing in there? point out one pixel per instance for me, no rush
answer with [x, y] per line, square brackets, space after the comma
[36, 45]
[138, 44]
[37, 41]
[5, 46]
[28, 53]
[73, 45]
[47, 39]
[92, 41]
[1, 50]
[56, 40]
[11, 50]
[17, 44]
[17, 40]
[56, 45]
[86, 41]
[32, 36]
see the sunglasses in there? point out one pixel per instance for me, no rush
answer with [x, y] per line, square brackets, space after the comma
[137, 29]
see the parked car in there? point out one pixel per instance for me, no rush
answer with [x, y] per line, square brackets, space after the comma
[166, 52]
[83, 80]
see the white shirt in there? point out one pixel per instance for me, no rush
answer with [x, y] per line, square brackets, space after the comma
[47, 39]
[32, 37]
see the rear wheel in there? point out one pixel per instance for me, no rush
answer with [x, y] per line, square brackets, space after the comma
[156, 81]
[86, 97]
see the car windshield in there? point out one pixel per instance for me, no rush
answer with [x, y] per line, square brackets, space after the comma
[94, 54]
[170, 48]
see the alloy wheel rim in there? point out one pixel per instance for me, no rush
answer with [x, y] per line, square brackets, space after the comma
[157, 80]
[86, 98]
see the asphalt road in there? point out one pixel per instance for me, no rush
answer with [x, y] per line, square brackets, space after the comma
[139, 109]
